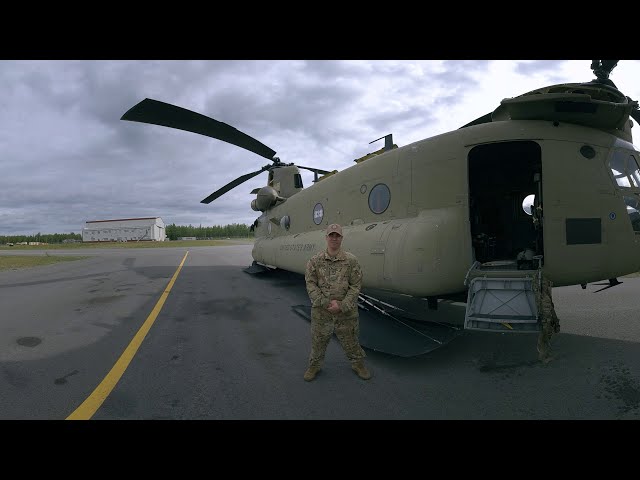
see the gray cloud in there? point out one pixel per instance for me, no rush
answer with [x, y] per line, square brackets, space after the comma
[68, 158]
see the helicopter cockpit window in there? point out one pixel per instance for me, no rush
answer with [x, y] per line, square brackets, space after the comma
[527, 204]
[625, 169]
[297, 181]
[379, 198]
[633, 209]
[633, 160]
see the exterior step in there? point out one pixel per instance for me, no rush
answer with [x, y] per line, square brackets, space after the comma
[501, 298]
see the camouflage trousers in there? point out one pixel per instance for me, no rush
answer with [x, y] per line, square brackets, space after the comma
[549, 319]
[325, 324]
[550, 324]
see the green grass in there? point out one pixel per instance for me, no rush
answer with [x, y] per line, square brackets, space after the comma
[15, 262]
[177, 243]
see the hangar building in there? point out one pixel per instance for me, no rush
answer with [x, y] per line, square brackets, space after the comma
[124, 229]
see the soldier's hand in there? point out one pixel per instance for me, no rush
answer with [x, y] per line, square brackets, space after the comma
[333, 306]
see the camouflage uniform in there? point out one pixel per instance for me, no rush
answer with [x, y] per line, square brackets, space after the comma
[334, 278]
[546, 312]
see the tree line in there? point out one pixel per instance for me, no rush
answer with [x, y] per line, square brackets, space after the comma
[236, 230]
[41, 237]
[173, 232]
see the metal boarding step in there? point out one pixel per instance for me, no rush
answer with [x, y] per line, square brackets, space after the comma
[501, 298]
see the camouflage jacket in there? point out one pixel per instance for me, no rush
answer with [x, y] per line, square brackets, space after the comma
[334, 278]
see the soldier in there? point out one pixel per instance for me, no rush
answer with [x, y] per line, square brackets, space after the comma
[334, 279]
[550, 323]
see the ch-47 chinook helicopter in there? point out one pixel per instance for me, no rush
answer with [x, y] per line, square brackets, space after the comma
[550, 180]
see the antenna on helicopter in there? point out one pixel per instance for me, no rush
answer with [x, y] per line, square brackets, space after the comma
[388, 141]
[388, 145]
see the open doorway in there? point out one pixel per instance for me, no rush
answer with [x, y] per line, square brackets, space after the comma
[504, 191]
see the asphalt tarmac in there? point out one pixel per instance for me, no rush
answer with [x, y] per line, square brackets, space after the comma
[186, 334]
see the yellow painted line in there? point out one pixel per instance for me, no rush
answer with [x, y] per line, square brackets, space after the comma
[508, 326]
[91, 405]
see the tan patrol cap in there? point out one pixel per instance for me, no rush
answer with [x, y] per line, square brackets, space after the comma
[334, 227]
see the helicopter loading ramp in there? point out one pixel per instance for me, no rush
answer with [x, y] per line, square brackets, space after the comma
[390, 329]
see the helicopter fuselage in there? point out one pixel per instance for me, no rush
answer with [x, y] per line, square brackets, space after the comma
[549, 179]
[417, 217]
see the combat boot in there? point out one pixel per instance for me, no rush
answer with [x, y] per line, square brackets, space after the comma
[544, 348]
[361, 370]
[311, 373]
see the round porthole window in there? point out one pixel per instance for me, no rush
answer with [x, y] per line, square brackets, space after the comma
[318, 214]
[527, 204]
[587, 151]
[379, 198]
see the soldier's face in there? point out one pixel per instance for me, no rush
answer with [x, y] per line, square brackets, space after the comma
[334, 240]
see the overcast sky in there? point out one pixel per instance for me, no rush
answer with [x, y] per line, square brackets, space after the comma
[67, 158]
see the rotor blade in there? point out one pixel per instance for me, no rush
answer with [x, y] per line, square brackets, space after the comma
[317, 170]
[230, 185]
[167, 115]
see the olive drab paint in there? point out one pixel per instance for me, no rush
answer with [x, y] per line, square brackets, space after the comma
[418, 216]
